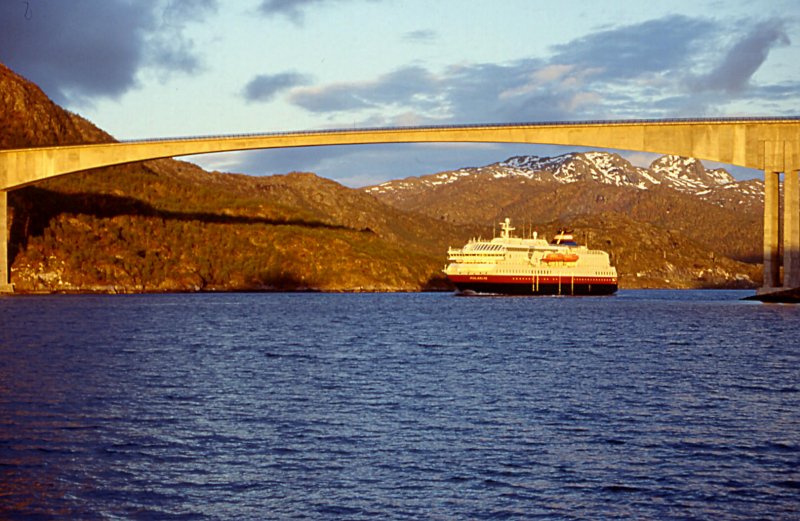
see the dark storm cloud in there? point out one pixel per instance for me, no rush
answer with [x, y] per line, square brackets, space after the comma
[265, 87]
[80, 50]
[733, 74]
[90, 47]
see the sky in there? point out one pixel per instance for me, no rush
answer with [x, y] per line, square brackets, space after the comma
[168, 68]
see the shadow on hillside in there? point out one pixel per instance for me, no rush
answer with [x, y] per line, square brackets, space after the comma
[33, 209]
[731, 284]
[756, 258]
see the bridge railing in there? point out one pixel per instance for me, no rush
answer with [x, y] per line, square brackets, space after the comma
[469, 125]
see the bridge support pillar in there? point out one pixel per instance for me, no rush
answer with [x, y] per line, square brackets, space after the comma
[5, 286]
[772, 261]
[791, 229]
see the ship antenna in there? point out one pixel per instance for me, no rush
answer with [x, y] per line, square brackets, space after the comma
[507, 228]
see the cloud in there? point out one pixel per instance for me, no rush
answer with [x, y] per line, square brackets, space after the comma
[660, 45]
[265, 87]
[413, 87]
[733, 73]
[166, 45]
[631, 71]
[172, 54]
[176, 13]
[472, 93]
[81, 50]
[92, 48]
[583, 79]
[294, 10]
[421, 36]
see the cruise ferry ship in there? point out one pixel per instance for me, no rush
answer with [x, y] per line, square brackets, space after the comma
[530, 266]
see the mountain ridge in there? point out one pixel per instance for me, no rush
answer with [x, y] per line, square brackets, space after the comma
[673, 192]
[686, 175]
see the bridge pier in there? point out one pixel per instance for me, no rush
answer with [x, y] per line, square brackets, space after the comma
[772, 262]
[781, 157]
[5, 285]
[791, 229]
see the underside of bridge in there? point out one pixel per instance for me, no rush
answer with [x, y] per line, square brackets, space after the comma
[768, 144]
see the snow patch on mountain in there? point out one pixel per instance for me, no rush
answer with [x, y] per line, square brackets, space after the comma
[687, 175]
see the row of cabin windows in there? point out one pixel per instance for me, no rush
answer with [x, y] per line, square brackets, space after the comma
[499, 247]
[550, 273]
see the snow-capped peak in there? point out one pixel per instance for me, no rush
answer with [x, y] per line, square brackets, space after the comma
[683, 174]
[688, 174]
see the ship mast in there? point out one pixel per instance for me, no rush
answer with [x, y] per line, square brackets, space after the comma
[507, 229]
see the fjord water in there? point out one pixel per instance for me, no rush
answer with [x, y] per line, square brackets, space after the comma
[646, 404]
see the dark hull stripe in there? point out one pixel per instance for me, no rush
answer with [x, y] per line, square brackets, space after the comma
[549, 286]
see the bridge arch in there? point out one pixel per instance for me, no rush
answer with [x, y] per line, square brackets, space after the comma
[768, 144]
[735, 141]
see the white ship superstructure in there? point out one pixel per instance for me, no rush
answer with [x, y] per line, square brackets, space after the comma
[533, 266]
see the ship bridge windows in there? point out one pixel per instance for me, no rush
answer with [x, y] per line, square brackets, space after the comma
[483, 249]
[487, 247]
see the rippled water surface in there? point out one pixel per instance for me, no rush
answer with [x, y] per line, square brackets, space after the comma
[668, 405]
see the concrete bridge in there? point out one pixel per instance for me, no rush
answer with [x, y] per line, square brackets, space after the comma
[768, 144]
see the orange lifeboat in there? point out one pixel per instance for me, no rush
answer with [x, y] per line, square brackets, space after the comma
[560, 257]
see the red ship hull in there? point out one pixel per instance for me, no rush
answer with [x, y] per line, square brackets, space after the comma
[533, 285]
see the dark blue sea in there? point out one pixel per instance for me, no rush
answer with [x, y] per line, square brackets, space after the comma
[643, 405]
